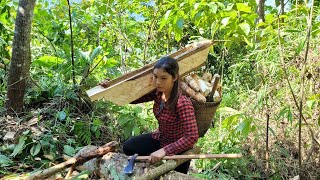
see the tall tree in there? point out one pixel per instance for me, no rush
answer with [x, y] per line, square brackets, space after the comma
[21, 57]
[260, 10]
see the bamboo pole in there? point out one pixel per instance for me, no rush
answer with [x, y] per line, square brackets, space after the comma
[192, 156]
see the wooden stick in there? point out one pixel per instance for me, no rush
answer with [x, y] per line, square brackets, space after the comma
[98, 152]
[193, 156]
[215, 81]
[72, 168]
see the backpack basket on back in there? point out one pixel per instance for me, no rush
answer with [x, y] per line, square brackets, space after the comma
[204, 114]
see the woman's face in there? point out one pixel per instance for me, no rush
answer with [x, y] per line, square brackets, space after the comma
[163, 80]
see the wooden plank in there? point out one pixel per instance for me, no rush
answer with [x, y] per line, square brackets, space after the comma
[135, 84]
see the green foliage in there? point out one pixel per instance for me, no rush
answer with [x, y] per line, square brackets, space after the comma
[29, 147]
[114, 37]
[134, 120]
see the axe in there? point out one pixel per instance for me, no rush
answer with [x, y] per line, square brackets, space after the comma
[129, 168]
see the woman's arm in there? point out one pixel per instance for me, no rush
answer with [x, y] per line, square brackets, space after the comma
[148, 97]
[187, 117]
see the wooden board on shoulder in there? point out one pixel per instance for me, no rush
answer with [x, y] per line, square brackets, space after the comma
[135, 84]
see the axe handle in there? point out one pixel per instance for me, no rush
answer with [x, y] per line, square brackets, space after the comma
[216, 79]
[193, 156]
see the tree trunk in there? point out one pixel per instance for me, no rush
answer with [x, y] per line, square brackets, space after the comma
[282, 10]
[21, 57]
[260, 11]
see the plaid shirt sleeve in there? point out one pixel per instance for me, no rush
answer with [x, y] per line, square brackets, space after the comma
[187, 117]
[148, 97]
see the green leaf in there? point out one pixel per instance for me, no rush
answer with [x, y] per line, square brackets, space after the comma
[198, 175]
[243, 7]
[282, 112]
[300, 47]
[292, 30]
[228, 110]
[123, 119]
[277, 2]
[247, 41]
[182, 4]
[7, 147]
[316, 31]
[48, 61]
[225, 21]
[95, 53]
[2, 42]
[97, 133]
[272, 131]
[62, 115]
[26, 132]
[97, 122]
[196, 6]
[19, 147]
[68, 150]
[137, 110]
[136, 131]
[179, 24]
[230, 120]
[111, 62]
[83, 175]
[35, 149]
[245, 28]
[214, 28]
[85, 56]
[166, 16]
[127, 132]
[244, 128]
[164, 20]
[229, 7]
[310, 104]
[5, 161]
[213, 7]
[289, 116]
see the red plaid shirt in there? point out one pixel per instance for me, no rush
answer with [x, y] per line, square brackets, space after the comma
[177, 130]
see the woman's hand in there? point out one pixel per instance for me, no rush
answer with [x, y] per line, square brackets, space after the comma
[156, 156]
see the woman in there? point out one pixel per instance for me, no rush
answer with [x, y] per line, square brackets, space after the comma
[174, 111]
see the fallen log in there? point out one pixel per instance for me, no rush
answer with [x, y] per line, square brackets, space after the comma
[75, 161]
[166, 167]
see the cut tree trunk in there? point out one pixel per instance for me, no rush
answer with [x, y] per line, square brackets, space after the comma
[21, 57]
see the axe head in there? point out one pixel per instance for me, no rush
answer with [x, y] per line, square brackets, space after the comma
[129, 168]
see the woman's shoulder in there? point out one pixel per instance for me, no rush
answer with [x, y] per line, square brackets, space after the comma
[184, 100]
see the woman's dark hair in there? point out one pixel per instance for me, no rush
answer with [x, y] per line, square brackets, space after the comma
[170, 65]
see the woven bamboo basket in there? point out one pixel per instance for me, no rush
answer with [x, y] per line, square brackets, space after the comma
[204, 115]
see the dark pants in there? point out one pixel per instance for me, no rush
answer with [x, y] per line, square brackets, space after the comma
[144, 145]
